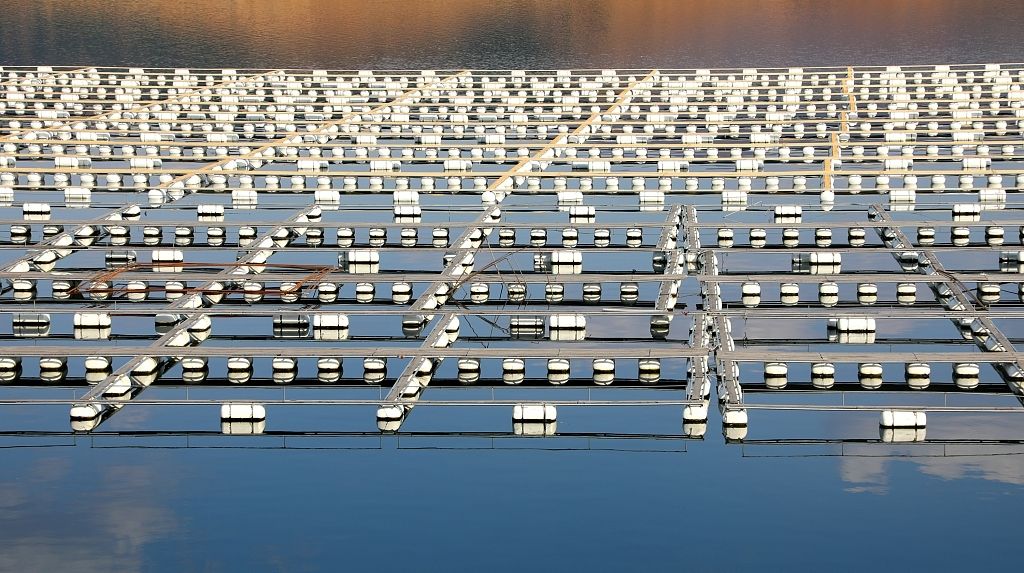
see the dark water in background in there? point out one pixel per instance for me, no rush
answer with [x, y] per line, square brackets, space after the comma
[402, 34]
[390, 504]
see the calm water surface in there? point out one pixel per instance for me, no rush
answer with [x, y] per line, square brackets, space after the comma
[202, 503]
[509, 34]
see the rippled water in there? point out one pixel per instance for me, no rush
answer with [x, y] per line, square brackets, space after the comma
[303, 503]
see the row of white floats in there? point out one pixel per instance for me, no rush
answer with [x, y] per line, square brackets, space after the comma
[329, 370]
[959, 236]
[183, 236]
[289, 292]
[870, 375]
[991, 187]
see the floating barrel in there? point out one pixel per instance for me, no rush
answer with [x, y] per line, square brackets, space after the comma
[374, 369]
[284, 369]
[634, 237]
[775, 375]
[360, 261]
[823, 237]
[867, 293]
[789, 293]
[906, 293]
[570, 237]
[291, 326]
[513, 370]
[857, 236]
[649, 370]
[401, 293]
[965, 375]
[751, 294]
[566, 261]
[479, 293]
[330, 326]
[823, 375]
[53, 369]
[554, 292]
[989, 293]
[791, 238]
[758, 238]
[346, 236]
[604, 371]
[378, 237]
[788, 213]
[828, 294]
[903, 419]
[994, 236]
[960, 236]
[1011, 261]
[818, 263]
[364, 292]
[534, 413]
[516, 292]
[538, 237]
[194, 369]
[852, 330]
[328, 370]
[870, 375]
[166, 260]
[239, 369]
[629, 293]
[558, 370]
[327, 292]
[31, 325]
[469, 370]
[726, 237]
[918, 375]
[567, 327]
[526, 327]
[506, 237]
[239, 411]
[926, 236]
[10, 369]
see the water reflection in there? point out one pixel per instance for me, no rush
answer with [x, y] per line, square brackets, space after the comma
[83, 522]
[945, 455]
[403, 34]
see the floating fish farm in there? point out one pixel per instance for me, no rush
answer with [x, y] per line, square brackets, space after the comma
[717, 241]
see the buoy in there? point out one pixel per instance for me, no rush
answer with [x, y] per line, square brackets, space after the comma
[918, 375]
[775, 375]
[965, 375]
[604, 371]
[649, 370]
[906, 293]
[903, 419]
[284, 369]
[870, 375]
[558, 370]
[242, 411]
[867, 293]
[469, 370]
[374, 370]
[513, 370]
[823, 375]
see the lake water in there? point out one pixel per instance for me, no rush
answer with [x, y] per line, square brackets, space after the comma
[334, 498]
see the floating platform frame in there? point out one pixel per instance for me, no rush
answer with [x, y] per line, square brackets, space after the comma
[687, 235]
